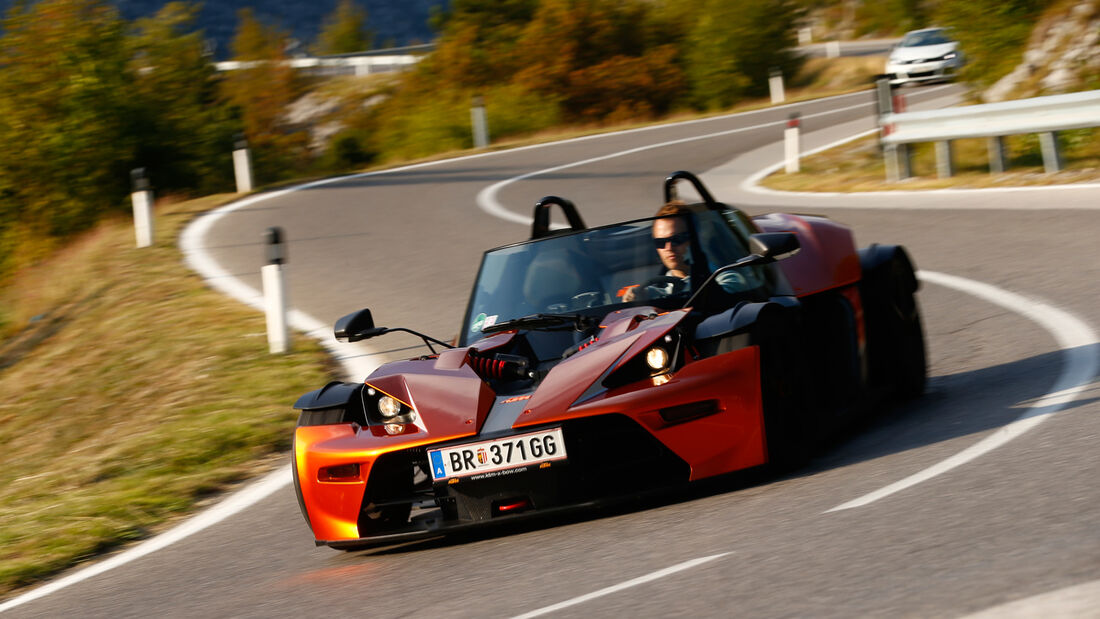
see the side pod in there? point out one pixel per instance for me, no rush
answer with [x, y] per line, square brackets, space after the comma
[736, 327]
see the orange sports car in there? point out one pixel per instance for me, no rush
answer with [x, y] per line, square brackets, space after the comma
[606, 362]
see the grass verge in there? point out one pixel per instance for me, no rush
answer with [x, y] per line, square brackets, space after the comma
[858, 166]
[129, 393]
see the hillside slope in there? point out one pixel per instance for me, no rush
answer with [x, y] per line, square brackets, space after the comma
[1063, 55]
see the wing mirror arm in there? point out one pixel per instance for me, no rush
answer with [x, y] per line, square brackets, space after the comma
[360, 326]
[767, 248]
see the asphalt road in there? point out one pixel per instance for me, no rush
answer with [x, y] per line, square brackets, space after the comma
[1021, 520]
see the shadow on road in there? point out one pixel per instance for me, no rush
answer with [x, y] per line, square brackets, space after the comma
[956, 405]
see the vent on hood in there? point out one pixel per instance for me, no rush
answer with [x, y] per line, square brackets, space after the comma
[499, 366]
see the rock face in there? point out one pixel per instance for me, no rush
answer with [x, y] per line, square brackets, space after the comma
[1062, 56]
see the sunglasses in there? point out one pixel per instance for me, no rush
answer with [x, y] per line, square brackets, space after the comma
[676, 239]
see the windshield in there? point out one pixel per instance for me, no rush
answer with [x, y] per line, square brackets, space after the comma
[925, 37]
[593, 272]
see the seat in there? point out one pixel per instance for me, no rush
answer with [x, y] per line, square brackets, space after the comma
[553, 280]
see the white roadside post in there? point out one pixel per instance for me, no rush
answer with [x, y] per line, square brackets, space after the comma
[242, 164]
[142, 199]
[480, 122]
[775, 86]
[791, 146]
[275, 294]
[832, 49]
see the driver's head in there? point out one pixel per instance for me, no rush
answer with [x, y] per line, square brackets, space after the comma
[670, 236]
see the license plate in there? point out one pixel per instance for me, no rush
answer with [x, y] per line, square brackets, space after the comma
[502, 454]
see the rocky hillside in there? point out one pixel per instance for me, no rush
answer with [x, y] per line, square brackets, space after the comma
[1063, 55]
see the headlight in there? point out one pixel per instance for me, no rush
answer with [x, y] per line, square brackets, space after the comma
[660, 359]
[389, 407]
[657, 358]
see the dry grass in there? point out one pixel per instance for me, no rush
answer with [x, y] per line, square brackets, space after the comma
[858, 166]
[130, 392]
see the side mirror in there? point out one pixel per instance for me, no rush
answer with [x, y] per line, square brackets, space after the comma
[775, 245]
[356, 326]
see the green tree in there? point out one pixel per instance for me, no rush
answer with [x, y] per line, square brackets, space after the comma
[345, 30]
[185, 133]
[66, 114]
[885, 17]
[734, 46]
[991, 33]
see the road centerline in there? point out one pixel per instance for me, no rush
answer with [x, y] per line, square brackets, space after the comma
[641, 580]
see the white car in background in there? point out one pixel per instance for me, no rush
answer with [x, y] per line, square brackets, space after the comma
[924, 56]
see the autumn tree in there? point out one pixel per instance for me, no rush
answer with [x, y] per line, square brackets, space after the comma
[476, 47]
[261, 91]
[597, 59]
[345, 30]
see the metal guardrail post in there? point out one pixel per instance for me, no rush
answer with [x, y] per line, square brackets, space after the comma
[1052, 155]
[899, 162]
[275, 293]
[142, 200]
[997, 159]
[945, 159]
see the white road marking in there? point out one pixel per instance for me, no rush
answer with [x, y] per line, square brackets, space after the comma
[1078, 343]
[487, 198]
[255, 492]
[679, 567]
[1075, 601]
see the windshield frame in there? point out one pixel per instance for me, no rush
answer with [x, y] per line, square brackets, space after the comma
[700, 267]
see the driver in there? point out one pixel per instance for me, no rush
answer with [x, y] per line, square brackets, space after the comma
[671, 237]
[672, 240]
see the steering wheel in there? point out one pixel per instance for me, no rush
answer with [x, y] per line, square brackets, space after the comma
[586, 299]
[653, 287]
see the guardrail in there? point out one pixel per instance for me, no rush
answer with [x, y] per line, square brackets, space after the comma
[1043, 115]
[335, 65]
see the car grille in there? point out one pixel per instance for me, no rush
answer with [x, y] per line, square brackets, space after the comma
[609, 455]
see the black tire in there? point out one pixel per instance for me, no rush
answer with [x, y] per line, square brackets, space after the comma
[910, 357]
[788, 422]
[895, 337]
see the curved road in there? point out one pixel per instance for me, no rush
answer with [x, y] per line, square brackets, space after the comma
[1012, 523]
